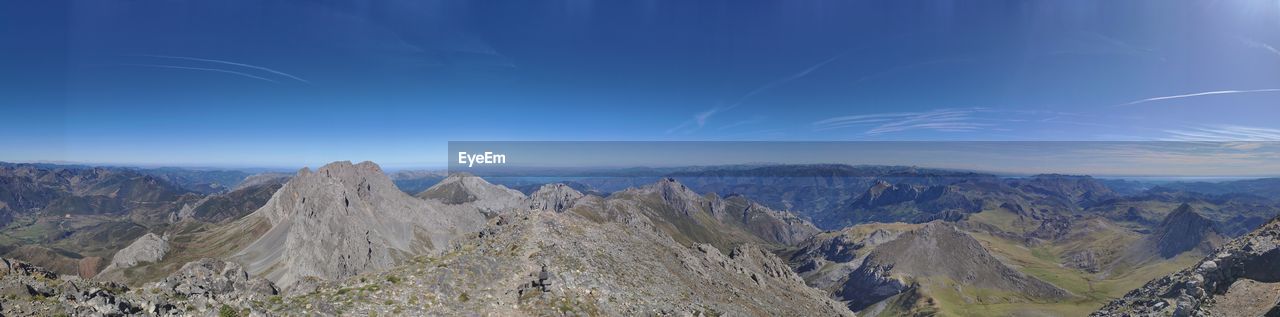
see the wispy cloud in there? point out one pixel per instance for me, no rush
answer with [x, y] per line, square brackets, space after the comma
[945, 120]
[215, 61]
[1224, 133]
[1199, 94]
[700, 119]
[1094, 43]
[1261, 45]
[204, 69]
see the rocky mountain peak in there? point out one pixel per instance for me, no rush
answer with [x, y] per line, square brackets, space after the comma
[344, 219]
[1183, 230]
[677, 195]
[461, 188]
[554, 197]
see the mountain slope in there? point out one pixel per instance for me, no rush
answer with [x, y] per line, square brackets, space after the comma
[345, 219]
[244, 199]
[932, 258]
[593, 268]
[691, 218]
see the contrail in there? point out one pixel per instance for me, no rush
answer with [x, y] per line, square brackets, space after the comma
[230, 63]
[1265, 46]
[204, 69]
[1207, 93]
[783, 80]
[700, 119]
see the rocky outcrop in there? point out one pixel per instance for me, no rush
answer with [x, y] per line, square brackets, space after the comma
[205, 287]
[344, 219]
[205, 283]
[826, 260]
[554, 197]
[147, 248]
[1239, 279]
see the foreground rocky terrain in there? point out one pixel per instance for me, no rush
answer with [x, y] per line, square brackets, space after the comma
[205, 287]
[1242, 278]
[612, 268]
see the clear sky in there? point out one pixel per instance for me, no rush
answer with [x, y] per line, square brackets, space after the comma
[290, 83]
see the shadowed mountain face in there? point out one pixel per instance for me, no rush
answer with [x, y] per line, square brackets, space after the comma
[1183, 230]
[237, 203]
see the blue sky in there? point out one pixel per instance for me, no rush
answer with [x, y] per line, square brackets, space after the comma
[290, 83]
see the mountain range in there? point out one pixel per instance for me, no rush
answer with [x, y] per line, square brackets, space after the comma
[345, 239]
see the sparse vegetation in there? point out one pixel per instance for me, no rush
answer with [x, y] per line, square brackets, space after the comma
[227, 311]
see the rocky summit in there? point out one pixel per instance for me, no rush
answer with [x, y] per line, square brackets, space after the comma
[344, 219]
[554, 197]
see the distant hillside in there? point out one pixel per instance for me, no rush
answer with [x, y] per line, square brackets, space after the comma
[1267, 187]
[72, 219]
[204, 181]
